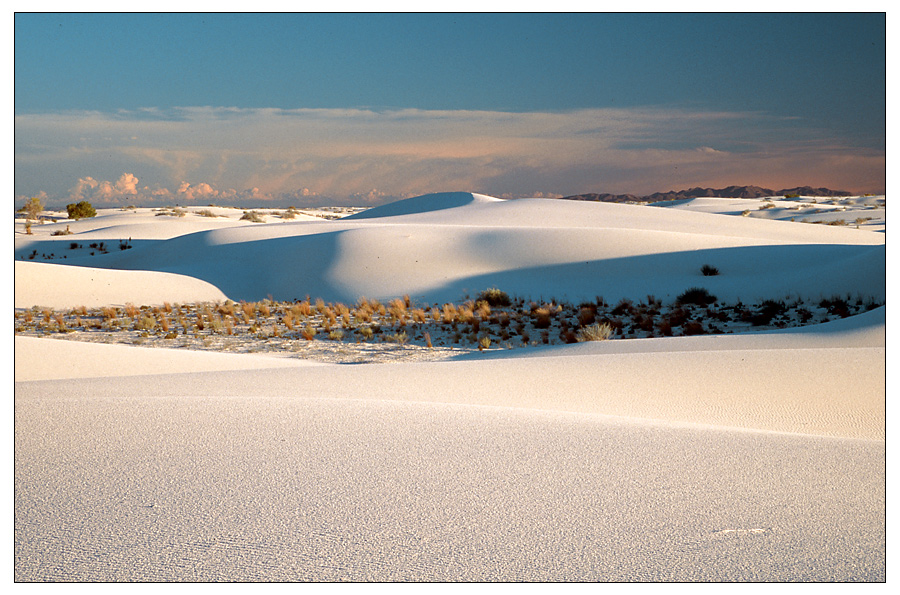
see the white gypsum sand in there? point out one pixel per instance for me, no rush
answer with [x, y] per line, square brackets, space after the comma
[743, 457]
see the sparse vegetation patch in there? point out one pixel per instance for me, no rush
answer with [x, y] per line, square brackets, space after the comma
[303, 327]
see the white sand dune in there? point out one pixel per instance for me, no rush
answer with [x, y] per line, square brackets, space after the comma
[542, 248]
[60, 286]
[864, 212]
[755, 457]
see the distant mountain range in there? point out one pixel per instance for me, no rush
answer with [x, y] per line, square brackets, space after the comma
[729, 192]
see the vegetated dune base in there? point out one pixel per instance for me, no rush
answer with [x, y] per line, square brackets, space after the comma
[734, 457]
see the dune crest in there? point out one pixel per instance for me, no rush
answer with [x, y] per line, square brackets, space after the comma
[425, 204]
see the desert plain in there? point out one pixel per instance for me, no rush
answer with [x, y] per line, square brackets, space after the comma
[200, 396]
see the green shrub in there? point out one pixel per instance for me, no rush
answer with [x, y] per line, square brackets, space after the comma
[81, 210]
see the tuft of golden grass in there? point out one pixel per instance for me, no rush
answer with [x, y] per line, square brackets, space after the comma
[249, 310]
[595, 332]
[483, 309]
[397, 308]
[363, 313]
[302, 309]
[450, 313]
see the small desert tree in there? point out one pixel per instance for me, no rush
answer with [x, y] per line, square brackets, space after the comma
[32, 209]
[81, 210]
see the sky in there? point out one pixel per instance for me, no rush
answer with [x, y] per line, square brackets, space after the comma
[361, 109]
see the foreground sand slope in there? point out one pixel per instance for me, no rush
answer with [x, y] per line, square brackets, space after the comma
[113, 486]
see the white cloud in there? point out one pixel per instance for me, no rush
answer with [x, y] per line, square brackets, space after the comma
[274, 154]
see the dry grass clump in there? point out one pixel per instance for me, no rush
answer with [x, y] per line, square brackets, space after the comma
[302, 309]
[542, 317]
[400, 338]
[595, 332]
[449, 313]
[249, 310]
[482, 309]
[252, 217]
[466, 313]
[175, 212]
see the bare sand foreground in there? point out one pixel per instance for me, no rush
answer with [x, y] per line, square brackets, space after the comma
[745, 457]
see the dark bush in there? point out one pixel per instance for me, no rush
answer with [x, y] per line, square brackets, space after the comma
[696, 295]
[836, 306]
[768, 310]
[587, 316]
[693, 328]
[625, 306]
[494, 297]
[709, 271]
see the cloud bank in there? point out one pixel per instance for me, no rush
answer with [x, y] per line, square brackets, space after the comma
[254, 157]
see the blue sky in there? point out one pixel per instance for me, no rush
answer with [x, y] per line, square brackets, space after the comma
[330, 108]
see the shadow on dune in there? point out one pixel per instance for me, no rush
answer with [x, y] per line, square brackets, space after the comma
[749, 273]
[295, 266]
[284, 268]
